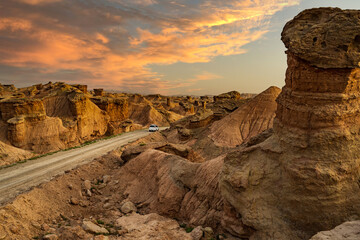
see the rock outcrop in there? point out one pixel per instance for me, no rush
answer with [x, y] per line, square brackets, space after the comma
[144, 112]
[304, 177]
[28, 125]
[174, 187]
[212, 134]
[229, 95]
[150, 226]
[347, 230]
[250, 119]
[325, 37]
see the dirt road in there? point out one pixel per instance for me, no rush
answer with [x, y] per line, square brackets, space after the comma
[22, 177]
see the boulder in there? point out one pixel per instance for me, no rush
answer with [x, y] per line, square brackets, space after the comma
[74, 201]
[347, 230]
[87, 185]
[93, 228]
[50, 237]
[128, 207]
[197, 233]
[150, 226]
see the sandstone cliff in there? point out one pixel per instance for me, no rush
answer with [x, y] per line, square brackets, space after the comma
[53, 116]
[304, 177]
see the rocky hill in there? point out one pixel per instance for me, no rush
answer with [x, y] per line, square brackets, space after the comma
[249, 120]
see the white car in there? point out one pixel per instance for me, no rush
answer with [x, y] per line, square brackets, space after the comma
[153, 128]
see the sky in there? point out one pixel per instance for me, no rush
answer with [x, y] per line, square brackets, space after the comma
[171, 47]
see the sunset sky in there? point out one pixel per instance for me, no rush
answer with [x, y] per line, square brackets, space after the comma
[170, 47]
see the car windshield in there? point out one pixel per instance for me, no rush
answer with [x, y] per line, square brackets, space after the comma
[153, 125]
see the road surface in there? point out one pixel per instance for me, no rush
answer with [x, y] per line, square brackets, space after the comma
[22, 177]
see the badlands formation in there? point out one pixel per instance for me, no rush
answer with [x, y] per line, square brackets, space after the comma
[281, 165]
[46, 118]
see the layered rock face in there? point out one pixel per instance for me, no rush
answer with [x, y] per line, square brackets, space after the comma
[50, 117]
[304, 178]
[26, 118]
[247, 121]
[212, 133]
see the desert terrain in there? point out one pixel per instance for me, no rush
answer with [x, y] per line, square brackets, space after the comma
[283, 164]
[55, 116]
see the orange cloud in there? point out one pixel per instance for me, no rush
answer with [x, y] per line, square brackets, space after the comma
[35, 2]
[102, 38]
[54, 50]
[204, 76]
[14, 24]
[114, 45]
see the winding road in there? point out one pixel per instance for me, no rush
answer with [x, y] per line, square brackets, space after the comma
[22, 177]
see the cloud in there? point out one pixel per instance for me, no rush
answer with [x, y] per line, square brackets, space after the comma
[35, 2]
[113, 43]
[14, 24]
[204, 76]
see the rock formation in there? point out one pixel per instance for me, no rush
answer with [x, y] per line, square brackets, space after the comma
[145, 113]
[325, 37]
[179, 177]
[304, 177]
[28, 125]
[174, 187]
[212, 134]
[53, 116]
[247, 121]
[117, 109]
[229, 95]
[170, 178]
[347, 230]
